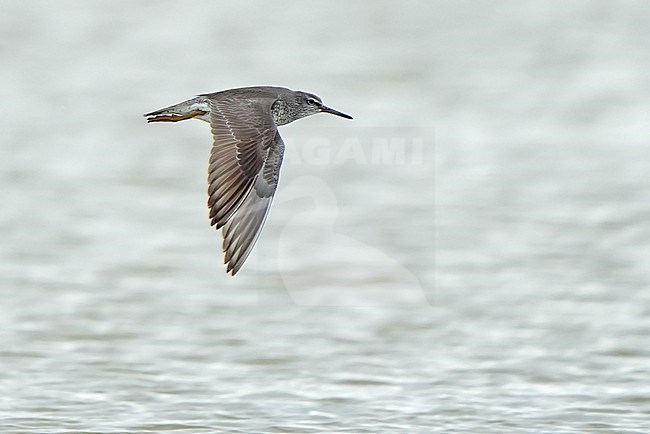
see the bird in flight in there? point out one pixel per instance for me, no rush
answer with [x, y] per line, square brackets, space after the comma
[246, 155]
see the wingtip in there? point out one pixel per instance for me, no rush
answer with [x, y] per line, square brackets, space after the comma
[231, 269]
[232, 266]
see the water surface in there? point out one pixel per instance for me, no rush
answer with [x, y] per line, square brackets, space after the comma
[497, 282]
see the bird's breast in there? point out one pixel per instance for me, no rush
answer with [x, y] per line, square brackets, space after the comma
[281, 113]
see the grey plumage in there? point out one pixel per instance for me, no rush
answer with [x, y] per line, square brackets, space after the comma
[246, 155]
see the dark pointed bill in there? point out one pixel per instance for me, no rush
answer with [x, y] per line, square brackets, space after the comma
[326, 109]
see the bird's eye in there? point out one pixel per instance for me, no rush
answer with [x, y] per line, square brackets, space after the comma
[311, 101]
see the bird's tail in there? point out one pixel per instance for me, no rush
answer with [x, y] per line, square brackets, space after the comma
[196, 107]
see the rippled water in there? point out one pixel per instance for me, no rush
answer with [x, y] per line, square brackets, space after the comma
[469, 255]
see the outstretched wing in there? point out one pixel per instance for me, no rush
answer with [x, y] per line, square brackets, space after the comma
[244, 227]
[244, 166]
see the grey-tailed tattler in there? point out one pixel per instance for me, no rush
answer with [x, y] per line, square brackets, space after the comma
[246, 155]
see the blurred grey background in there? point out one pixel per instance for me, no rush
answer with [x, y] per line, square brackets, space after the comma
[495, 283]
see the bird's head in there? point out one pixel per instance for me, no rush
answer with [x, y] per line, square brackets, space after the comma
[309, 104]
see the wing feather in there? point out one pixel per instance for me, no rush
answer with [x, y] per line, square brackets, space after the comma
[242, 230]
[242, 129]
[243, 172]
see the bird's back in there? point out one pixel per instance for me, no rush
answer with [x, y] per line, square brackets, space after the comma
[199, 107]
[252, 92]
